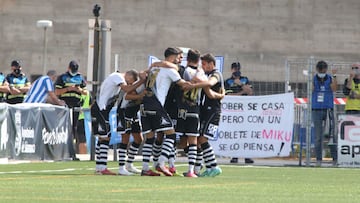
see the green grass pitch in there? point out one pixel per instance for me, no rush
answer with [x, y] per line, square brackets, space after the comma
[76, 182]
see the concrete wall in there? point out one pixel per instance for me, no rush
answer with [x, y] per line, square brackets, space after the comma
[260, 34]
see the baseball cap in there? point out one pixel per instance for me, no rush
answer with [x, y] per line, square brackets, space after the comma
[15, 63]
[171, 51]
[208, 58]
[236, 65]
[74, 66]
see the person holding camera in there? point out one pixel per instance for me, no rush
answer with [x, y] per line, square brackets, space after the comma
[324, 86]
[238, 85]
[69, 87]
[352, 90]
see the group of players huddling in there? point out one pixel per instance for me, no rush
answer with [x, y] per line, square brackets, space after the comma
[172, 99]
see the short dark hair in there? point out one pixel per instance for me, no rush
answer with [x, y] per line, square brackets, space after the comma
[236, 65]
[193, 55]
[208, 58]
[321, 65]
[74, 66]
[134, 73]
[171, 51]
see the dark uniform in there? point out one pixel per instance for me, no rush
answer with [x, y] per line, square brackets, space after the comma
[16, 81]
[210, 109]
[128, 117]
[188, 108]
[172, 98]
[71, 98]
[232, 87]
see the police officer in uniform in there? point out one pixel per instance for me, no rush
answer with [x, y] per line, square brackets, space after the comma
[238, 84]
[18, 84]
[69, 87]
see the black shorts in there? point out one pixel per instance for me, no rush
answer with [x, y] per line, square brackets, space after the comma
[209, 121]
[155, 121]
[188, 122]
[127, 123]
[80, 132]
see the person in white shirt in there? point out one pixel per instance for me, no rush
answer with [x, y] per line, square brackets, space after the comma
[109, 94]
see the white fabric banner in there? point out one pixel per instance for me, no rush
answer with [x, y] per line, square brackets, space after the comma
[255, 126]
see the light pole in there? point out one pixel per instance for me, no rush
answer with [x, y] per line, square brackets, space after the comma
[44, 24]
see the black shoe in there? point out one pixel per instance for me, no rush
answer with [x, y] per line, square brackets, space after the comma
[234, 160]
[249, 161]
[75, 159]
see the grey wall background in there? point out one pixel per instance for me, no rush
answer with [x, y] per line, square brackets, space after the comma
[260, 34]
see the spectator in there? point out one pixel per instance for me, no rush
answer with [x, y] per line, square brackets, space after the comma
[4, 88]
[324, 86]
[43, 90]
[238, 85]
[352, 90]
[69, 87]
[18, 84]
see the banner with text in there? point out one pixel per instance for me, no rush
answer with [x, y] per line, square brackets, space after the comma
[349, 141]
[255, 126]
[3, 131]
[38, 131]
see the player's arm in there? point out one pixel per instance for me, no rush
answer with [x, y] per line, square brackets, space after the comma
[214, 95]
[128, 88]
[164, 64]
[185, 84]
[135, 96]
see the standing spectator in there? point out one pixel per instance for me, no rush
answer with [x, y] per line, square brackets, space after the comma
[43, 90]
[18, 84]
[69, 87]
[4, 88]
[352, 90]
[324, 86]
[238, 85]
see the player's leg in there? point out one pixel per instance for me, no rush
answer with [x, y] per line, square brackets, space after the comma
[192, 125]
[134, 147]
[156, 151]
[208, 131]
[146, 122]
[103, 141]
[122, 154]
